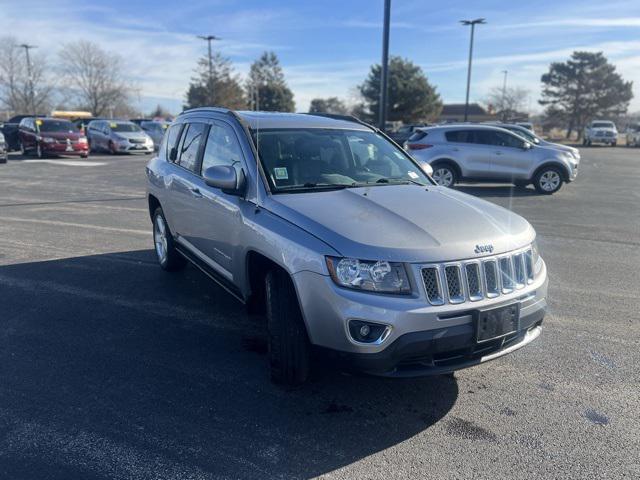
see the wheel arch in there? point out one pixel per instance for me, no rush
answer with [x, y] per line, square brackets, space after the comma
[153, 203]
[448, 161]
[563, 170]
[257, 265]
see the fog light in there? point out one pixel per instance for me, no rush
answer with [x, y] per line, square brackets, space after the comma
[368, 332]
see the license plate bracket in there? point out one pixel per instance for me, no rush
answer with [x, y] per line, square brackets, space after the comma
[495, 323]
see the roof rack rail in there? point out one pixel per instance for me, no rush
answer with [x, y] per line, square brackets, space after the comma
[207, 109]
[338, 116]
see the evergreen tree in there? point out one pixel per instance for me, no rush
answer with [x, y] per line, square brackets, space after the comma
[266, 86]
[220, 89]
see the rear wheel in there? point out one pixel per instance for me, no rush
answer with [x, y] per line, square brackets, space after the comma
[289, 348]
[548, 180]
[444, 174]
[168, 257]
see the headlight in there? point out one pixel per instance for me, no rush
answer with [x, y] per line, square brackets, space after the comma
[535, 257]
[48, 139]
[375, 276]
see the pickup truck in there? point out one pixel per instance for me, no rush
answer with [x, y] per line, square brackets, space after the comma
[600, 131]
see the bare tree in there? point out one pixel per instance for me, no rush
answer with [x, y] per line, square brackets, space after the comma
[19, 92]
[96, 77]
[507, 102]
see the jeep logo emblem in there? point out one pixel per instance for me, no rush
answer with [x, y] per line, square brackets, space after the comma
[484, 248]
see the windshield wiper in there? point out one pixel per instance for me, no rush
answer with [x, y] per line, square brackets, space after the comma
[316, 186]
[399, 181]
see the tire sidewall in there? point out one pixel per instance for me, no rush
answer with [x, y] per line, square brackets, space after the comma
[539, 175]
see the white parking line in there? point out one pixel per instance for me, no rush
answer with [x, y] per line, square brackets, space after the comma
[67, 163]
[77, 225]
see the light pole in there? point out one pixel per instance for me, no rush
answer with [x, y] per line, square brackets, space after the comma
[209, 39]
[504, 95]
[32, 102]
[384, 80]
[473, 23]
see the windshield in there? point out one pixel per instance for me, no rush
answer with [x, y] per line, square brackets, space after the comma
[602, 125]
[125, 127]
[55, 126]
[526, 134]
[304, 159]
[155, 126]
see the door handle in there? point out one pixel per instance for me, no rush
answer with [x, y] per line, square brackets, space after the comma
[498, 153]
[455, 149]
[195, 191]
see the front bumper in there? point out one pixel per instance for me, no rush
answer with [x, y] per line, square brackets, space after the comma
[423, 339]
[63, 149]
[133, 148]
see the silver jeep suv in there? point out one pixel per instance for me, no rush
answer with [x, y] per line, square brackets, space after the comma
[336, 236]
[491, 153]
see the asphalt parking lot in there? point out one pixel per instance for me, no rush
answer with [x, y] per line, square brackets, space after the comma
[112, 368]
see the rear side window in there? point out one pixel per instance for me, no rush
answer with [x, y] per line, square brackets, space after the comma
[459, 136]
[191, 145]
[222, 147]
[170, 139]
[418, 135]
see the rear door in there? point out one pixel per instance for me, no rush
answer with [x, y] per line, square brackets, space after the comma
[183, 188]
[472, 150]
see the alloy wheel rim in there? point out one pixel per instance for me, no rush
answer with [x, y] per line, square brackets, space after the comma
[160, 239]
[549, 181]
[443, 177]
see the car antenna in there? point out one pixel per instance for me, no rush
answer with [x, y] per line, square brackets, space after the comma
[257, 163]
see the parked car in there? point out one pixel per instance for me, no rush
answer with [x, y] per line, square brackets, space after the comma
[155, 130]
[530, 136]
[118, 136]
[343, 243]
[600, 131]
[488, 153]
[403, 133]
[527, 125]
[10, 129]
[4, 156]
[633, 135]
[51, 136]
[82, 123]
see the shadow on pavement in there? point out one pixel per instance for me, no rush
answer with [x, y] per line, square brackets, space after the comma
[110, 367]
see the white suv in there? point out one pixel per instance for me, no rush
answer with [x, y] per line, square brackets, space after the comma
[487, 153]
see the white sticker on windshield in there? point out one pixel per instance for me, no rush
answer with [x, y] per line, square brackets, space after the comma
[281, 173]
[413, 175]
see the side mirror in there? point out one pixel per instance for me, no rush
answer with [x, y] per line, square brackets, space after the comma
[526, 146]
[226, 178]
[173, 154]
[426, 168]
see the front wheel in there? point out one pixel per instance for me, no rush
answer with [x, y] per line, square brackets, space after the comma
[289, 348]
[168, 256]
[548, 180]
[39, 153]
[444, 175]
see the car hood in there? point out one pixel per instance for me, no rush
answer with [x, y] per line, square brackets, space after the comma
[407, 223]
[559, 146]
[62, 135]
[129, 135]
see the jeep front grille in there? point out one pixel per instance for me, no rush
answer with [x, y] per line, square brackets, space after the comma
[473, 280]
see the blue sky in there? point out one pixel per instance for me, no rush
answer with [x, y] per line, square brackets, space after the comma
[326, 47]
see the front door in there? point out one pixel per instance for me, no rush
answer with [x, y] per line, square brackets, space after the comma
[218, 214]
[512, 160]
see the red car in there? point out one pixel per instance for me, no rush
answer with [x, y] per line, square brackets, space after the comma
[51, 136]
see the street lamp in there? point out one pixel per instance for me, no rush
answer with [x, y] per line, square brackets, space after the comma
[209, 39]
[32, 100]
[473, 23]
[384, 80]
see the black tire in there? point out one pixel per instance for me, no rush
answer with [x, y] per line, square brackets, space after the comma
[613, 144]
[289, 348]
[23, 151]
[38, 151]
[445, 174]
[4, 159]
[542, 183]
[584, 142]
[171, 260]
